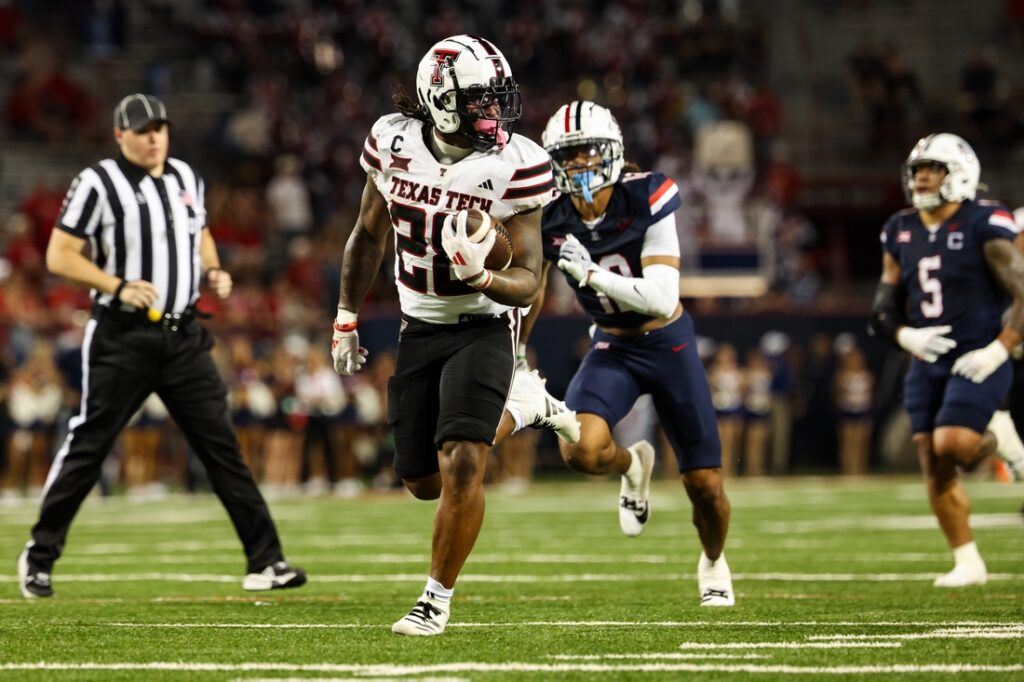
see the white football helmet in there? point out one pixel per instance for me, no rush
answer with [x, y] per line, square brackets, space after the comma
[585, 144]
[962, 170]
[467, 87]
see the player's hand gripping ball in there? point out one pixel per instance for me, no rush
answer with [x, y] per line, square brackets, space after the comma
[478, 224]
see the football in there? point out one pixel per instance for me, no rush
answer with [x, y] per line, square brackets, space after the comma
[478, 224]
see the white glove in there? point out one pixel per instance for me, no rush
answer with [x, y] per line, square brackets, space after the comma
[467, 257]
[978, 365]
[926, 343]
[349, 357]
[575, 261]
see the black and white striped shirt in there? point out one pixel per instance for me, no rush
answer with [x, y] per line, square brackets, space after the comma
[141, 227]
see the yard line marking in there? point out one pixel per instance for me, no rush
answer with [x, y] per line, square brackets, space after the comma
[891, 523]
[523, 578]
[128, 557]
[669, 656]
[339, 679]
[580, 623]
[996, 632]
[142, 557]
[791, 645]
[468, 666]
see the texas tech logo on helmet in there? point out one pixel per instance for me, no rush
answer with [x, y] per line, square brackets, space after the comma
[443, 57]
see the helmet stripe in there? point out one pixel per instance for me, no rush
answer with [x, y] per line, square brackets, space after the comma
[499, 68]
[579, 110]
[568, 108]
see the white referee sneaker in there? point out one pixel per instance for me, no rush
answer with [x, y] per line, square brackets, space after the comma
[143, 216]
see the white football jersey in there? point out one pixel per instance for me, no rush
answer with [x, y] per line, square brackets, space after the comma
[421, 191]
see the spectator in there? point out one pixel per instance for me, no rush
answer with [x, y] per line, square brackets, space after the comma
[854, 389]
[45, 104]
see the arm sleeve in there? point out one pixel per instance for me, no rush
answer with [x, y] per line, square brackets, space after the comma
[83, 205]
[661, 239]
[656, 293]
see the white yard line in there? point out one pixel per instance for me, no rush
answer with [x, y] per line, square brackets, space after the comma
[519, 577]
[592, 623]
[992, 631]
[653, 657]
[883, 523]
[469, 666]
[122, 557]
[791, 645]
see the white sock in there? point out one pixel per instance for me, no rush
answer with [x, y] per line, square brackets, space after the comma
[517, 417]
[967, 553]
[635, 468]
[437, 591]
[708, 563]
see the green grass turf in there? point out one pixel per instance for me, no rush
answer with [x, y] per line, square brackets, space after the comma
[551, 577]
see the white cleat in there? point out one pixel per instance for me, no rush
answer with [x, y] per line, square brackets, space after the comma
[540, 409]
[426, 619]
[714, 580]
[1009, 447]
[635, 493]
[964, 574]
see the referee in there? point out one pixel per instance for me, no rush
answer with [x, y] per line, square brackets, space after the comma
[142, 215]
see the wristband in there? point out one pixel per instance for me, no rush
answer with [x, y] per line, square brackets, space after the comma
[345, 321]
[119, 289]
[481, 281]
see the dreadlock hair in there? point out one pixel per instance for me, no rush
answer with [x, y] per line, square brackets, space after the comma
[407, 106]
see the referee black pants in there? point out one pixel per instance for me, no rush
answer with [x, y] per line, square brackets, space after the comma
[124, 359]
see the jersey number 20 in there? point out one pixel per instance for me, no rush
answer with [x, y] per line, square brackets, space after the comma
[421, 261]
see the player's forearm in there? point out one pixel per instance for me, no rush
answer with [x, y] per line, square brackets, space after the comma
[1013, 332]
[359, 266]
[75, 267]
[530, 319]
[656, 293]
[209, 259]
[515, 286]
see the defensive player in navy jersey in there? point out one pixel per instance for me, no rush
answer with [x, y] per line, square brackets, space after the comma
[949, 272]
[613, 234]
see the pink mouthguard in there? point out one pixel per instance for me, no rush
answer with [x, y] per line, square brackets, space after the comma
[484, 125]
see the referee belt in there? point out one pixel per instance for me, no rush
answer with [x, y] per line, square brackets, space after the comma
[133, 317]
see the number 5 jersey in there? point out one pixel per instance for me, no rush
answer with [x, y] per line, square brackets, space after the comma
[420, 191]
[945, 275]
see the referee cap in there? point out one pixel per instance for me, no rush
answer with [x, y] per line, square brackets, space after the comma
[137, 111]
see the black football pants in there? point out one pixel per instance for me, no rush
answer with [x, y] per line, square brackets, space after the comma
[123, 362]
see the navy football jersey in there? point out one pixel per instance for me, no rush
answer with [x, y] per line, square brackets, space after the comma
[615, 243]
[945, 274]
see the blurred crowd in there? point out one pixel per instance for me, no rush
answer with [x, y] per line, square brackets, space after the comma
[782, 407]
[304, 81]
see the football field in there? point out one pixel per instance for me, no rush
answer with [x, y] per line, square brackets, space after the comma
[833, 580]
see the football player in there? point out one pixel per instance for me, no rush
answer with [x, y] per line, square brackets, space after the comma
[949, 271]
[614, 236]
[452, 149]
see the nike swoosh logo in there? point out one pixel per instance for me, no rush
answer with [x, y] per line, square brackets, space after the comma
[676, 349]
